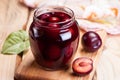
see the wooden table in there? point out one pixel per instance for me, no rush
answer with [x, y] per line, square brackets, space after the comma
[15, 16]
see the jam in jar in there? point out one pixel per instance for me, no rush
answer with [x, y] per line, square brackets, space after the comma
[54, 36]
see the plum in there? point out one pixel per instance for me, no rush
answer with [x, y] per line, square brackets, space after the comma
[91, 41]
[82, 66]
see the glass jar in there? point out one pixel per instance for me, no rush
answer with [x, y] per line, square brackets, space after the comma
[54, 36]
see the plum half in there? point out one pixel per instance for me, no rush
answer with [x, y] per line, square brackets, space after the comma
[82, 66]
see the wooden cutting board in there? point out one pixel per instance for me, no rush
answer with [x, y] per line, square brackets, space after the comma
[30, 70]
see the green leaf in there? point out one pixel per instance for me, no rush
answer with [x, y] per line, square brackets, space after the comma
[16, 42]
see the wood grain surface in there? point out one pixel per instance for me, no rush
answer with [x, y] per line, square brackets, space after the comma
[13, 16]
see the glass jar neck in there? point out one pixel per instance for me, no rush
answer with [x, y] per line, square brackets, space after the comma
[43, 10]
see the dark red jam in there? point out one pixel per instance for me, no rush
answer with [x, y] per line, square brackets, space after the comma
[54, 38]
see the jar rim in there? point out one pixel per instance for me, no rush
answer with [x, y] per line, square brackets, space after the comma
[50, 8]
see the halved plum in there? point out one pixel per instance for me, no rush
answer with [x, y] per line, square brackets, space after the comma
[54, 19]
[52, 53]
[44, 16]
[52, 33]
[82, 66]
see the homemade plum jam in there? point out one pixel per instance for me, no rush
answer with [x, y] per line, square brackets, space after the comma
[54, 37]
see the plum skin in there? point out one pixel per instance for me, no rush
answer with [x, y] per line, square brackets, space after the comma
[91, 41]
